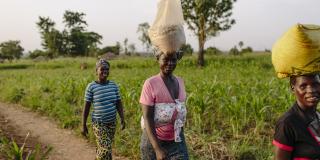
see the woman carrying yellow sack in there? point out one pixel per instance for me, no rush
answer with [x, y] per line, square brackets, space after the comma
[297, 55]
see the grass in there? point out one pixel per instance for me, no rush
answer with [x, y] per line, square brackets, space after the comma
[233, 102]
[9, 149]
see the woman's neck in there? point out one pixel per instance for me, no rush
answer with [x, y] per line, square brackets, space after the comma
[102, 81]
[166, 76]
[308, 111]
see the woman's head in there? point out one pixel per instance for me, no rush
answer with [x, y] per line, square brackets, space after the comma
[306, 89]
[102, 69]
[167, 61]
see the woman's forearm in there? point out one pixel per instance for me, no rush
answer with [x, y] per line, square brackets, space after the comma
[148, 115]
[85, 114]
[120, 109]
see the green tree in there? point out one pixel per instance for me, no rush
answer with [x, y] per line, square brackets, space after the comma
[119, 48]
[113, 49]
[240, 44]
[11, 50]
[74, 20]
[37, 53]
[74, 40]
[234, 51]
[125, 46]
[79, 41]
[144, 37]
[213, 51]
[52, 40]
[206, 18]
[132, 49]
[246, 50]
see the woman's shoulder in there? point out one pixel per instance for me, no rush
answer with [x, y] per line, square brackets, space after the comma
[289, 117]
[179, 79]
[154, 78]
[92, 83]
[111, 82]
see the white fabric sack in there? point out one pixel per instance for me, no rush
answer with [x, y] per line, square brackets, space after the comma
[167, 32]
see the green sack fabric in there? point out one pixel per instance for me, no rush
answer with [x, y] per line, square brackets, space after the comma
[297, 52]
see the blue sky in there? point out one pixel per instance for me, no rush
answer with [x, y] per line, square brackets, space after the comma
[258, 22]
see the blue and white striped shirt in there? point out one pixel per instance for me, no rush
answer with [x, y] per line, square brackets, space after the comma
[104, 98]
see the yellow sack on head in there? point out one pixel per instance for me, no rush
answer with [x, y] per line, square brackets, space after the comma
[297, 52]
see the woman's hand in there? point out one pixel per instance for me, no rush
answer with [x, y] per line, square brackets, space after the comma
[84, 131]
[86, 110]
[123, 124]
[160, 154]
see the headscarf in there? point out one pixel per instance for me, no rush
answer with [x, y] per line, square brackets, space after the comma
[102, 62]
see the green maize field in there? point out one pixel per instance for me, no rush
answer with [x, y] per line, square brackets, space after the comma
[233, 102]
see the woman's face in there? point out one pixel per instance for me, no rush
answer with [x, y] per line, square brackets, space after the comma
[168, 63]
[307, 91]
[103, 72]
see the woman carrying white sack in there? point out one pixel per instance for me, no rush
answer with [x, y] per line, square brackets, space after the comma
[163, 95]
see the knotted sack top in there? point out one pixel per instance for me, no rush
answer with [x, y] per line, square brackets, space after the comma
[297, 52]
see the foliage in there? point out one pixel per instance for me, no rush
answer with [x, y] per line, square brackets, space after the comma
[242, 50]
[234, 51]
[125, 46]
[226, 119]
[213, 51]
[113, 49]
[131, 49]
[11, 150]
[52, 39]
[37, 53]
[10, 50]
[206, 18]
[247, 50]
[74, 20]
[144, 37]
[187, 49]
[74, 40]
[240, 44]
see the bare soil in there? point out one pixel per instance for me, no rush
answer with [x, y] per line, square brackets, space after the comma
[16, 122]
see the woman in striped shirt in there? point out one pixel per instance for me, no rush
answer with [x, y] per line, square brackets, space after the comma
[105, 97]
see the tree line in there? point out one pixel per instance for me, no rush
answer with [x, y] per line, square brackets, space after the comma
[206, 18]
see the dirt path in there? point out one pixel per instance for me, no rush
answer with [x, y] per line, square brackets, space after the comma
[66, 145]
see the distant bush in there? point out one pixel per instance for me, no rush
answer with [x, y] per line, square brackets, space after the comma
[234, 51]
[37, 53]
[113, 49]
[247, 50]
[213, 51]
[187, 49]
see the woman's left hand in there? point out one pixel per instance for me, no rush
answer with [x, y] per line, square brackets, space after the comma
[123, 124]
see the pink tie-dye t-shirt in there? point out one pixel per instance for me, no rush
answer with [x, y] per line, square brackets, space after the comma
[155, 91]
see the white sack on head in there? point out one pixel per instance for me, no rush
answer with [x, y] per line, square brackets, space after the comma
[167, 32]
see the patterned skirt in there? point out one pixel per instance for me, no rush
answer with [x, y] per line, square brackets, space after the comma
[104, 138]
[174, 150]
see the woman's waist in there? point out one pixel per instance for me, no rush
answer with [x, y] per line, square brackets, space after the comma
[166, 113]
[165, 132]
